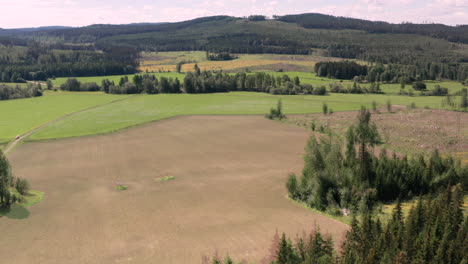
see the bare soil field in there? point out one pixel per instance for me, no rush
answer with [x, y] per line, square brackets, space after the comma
[228, 193]
[405, 131]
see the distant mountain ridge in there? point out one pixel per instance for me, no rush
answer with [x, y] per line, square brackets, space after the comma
[14, 31]
[314, 20]
[308, 20]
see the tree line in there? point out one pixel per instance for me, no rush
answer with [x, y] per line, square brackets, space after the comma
[200, 82]
[8, 92]
[340, 69]
[433, 232]
[392, 73]
[223, 56]
[357, 180]
[356, 88]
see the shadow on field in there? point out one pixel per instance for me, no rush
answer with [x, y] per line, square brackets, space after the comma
[15, 212]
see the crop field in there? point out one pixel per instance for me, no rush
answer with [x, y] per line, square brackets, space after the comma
[22, 115]
[405, 131]
[166, 61]
[226, 194]
[146, 108]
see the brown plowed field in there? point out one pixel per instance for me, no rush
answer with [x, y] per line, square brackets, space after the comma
[228, 194]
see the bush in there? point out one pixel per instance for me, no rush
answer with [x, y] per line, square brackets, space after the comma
[291, 185]
[89, 87]
[320, 90]
[439, 91]
[276, 113]
[419, 86]
[325, 109]
[71, 84]
[17, 92]
[22, 186]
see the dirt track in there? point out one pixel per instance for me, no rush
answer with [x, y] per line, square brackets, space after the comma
[228, 194]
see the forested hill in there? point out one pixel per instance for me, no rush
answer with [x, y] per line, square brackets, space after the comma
[16, 31]
[295, 34]
[96, 32]
[314, 20]
[407, 47]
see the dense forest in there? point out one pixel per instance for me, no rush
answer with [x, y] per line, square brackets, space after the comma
[314, 20]
[434, 231]
[357, 180]
[340, 69]
[40, 61]
[392, 73]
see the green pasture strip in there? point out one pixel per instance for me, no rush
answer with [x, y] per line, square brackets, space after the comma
[147, 108]
[22, 115]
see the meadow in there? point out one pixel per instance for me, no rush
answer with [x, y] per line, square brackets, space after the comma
[22, 115]
[147, 108]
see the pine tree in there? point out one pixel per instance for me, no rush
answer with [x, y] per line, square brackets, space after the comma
[5, 181]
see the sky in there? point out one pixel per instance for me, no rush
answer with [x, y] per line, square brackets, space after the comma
[35, 13]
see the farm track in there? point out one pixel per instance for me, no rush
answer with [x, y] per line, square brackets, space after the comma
[11, 145]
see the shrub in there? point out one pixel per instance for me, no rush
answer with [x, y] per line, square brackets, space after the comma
[313, 126]
[89, 87]
[419, 86]
[276, 113]
[439, 91]
[71, 84]
[320, 90]
[325, 109]
[22, 186]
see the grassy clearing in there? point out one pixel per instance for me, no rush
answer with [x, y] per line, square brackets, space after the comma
[15, 84]
[342, 218]
[167, 178]
[22, 115]
[19, 211]
[394, 88]
[147, 108]
[33, 197]
[121, 187]
[387, 209]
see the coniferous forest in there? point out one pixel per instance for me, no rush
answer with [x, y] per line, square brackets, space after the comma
[358, 180]
[434, 231]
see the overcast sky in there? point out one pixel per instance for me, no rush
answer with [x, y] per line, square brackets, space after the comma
[34, 13]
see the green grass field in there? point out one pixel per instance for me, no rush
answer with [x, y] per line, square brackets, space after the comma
[22, 115]
[146, 108]
[15, 84]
